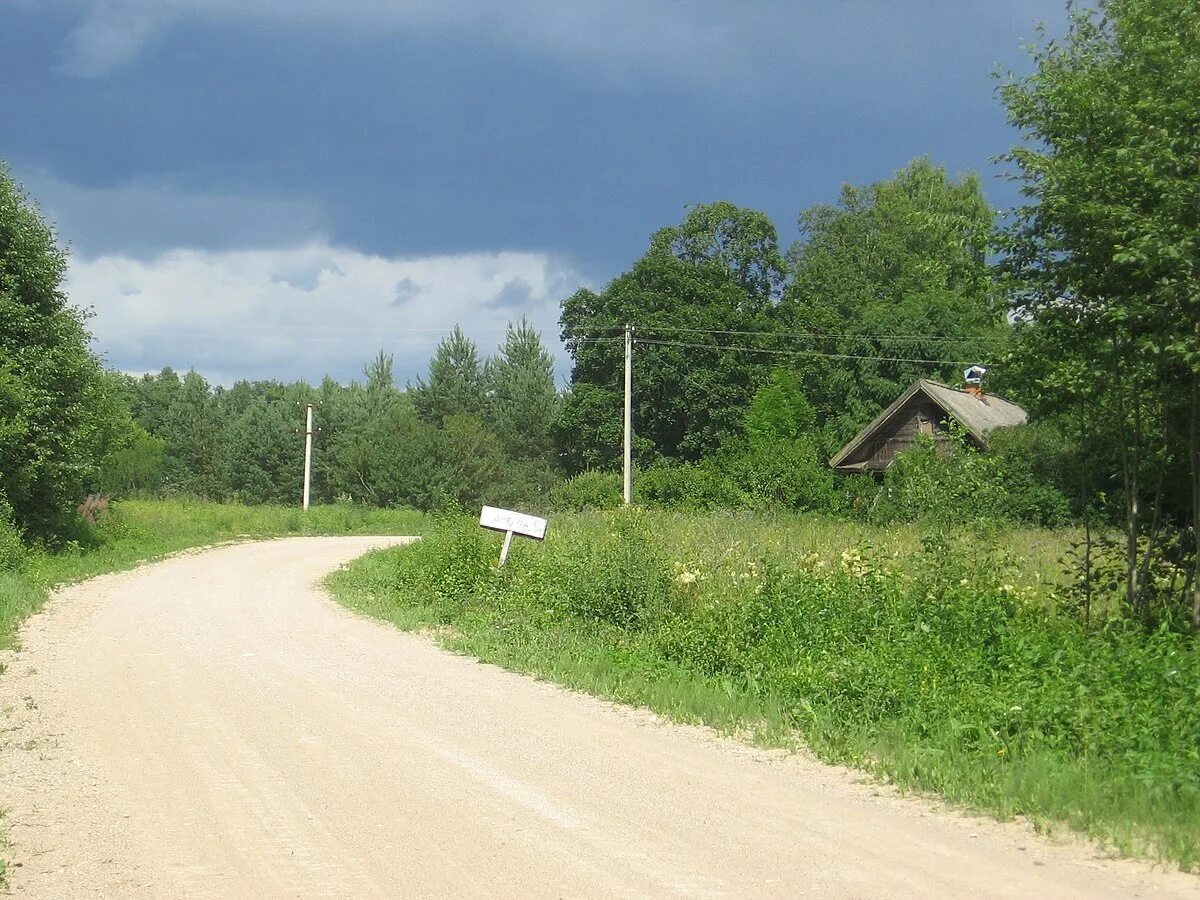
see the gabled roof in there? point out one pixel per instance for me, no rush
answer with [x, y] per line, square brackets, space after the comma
[977, 414]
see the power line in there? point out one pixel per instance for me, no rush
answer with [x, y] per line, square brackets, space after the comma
[811, 353]
[656, 342]
[642, 329]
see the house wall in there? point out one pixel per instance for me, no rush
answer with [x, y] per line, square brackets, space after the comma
[919, 416]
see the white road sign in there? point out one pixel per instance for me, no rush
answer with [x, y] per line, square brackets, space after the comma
[518, 523]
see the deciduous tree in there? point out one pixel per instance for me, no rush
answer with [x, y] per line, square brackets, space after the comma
[1107, 247]
[50, 384]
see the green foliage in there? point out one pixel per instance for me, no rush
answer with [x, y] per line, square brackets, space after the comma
[587, 491]
[895, 271]
[523, 409]
[372, 443]
[191, 429]
[12, 549]
[699, 485]
[1105, 258]
[620, 579]
[135, 466]
[941, 666]
[589, 431]
[951, 483]
[785, 474]
[261, 456]
[769, 473]
[718, 269]
[51, 394]
[457, 383]
[523, 405]
[400, 460]
[779, 411]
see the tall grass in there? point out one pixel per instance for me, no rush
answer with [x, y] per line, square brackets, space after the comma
[940, 662]
[135, 531]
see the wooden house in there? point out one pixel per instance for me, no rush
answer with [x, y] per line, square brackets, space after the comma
[925, 408]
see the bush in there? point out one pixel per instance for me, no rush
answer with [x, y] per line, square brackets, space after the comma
[784, 474]
[953, 484]
[12, 549]
[688, 486]
[776, 474]
[620, 579]
[1039, 469]
[587, 490]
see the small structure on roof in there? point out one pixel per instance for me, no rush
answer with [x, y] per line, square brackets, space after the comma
[925, 409]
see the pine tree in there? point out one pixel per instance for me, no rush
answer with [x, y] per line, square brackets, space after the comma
[456, 384]
[523, 405]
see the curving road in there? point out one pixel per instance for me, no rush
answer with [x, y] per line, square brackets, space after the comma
[215, 726]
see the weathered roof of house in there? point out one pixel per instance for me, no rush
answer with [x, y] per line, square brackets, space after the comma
[978, 414]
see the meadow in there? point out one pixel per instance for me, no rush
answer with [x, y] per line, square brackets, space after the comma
[953, 662]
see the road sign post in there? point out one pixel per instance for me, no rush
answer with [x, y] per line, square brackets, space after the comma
[510, 522]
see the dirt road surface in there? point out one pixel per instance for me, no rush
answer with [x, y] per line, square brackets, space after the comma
[215, 726]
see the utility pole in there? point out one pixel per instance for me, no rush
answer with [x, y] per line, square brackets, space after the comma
[308, 433]
[628, 482]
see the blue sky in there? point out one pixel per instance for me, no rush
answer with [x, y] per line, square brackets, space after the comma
[266, 189]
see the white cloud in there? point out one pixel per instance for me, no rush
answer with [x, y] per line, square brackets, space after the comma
[307, 311]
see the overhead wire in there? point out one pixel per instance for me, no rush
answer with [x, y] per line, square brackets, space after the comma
[803, 353]
[679, 329]
[643, 337]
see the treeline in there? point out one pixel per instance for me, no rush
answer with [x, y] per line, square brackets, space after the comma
[473, 429]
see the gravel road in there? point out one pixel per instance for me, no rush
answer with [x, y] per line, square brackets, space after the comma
[215, 726]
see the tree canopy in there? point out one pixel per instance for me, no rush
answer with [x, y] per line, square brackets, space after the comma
[894, 273]
[54, 417]
[719, 270]
[1105, 255]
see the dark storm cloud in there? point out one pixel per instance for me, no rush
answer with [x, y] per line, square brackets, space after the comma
[412, 129]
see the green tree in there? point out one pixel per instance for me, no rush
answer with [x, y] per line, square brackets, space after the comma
[896, 272]
[588, 433]
[523, 402]
[1106, 251]
[456, 385]
[192, 430]
[50, 384]
[718, 271]
[134, 465]
[779, 411]
[260, 458]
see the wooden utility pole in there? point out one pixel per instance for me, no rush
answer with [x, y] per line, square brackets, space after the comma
[308, 433]
[628, 456]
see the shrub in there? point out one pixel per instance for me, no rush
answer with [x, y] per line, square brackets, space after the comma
[620, 579]
[785, 474]
[688, 486]
[12, 549]
[587, 490]
[953, 484]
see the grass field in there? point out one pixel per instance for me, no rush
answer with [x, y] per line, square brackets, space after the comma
[945, 663]
[135, 531]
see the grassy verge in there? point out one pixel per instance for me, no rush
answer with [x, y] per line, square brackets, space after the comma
[135, 531]
[941, 664]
